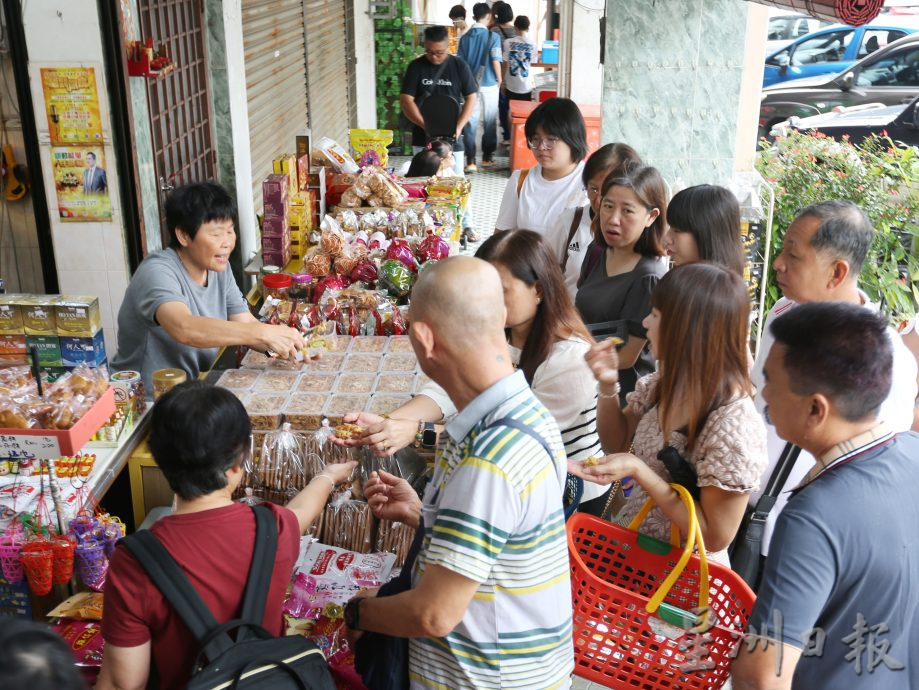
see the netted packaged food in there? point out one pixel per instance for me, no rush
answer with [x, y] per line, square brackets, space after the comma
[316, 382]
[238, 378]
[395, 383]
[395, 538]
[340, 405]
[399, 361]
[362, 363]
[304, 410]
[399, 343]
[265, 410]
[331, 362]
[276, 381]
[349, 383]
[348, 524]
[318, 263]
[385, 403]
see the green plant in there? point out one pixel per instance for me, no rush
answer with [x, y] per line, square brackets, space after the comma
[882, 178]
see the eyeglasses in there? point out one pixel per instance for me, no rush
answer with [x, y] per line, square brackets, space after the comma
[546, 144]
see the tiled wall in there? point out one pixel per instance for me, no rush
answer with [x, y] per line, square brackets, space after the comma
[672, 83]
[90, 257]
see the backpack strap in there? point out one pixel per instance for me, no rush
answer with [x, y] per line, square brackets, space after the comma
[521, 179]
[260, 569]
[575, 222]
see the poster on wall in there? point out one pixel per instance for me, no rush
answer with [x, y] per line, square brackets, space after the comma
[72, 105]
[81, 183]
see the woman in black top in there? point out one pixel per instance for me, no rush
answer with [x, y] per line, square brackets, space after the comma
[617, 279]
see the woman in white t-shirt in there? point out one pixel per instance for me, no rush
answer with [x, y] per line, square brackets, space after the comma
[548, 342]
[572, 234]
[534, 199]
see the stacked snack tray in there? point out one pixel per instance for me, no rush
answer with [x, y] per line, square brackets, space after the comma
[339, 405]
[283, 364]
[239, 379]
[304, 410]
[339, 343]
[368, 343]
[399, 343]
[276, 381]
[385, 403]
[399, 361]
[396, 382]
[255, 360]
[318, 382]
[265, 409]
[362, 363]
[348, 525]
[394, 537]
[329, 362]
[355, 383]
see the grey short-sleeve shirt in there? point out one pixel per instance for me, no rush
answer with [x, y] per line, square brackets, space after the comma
[144, 345]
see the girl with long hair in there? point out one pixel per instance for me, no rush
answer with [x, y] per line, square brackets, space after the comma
[705, 226]
[693, 421]
[621, 271]
[435, 159]
[548, 342]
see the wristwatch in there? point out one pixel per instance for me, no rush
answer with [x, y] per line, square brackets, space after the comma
[428, 436]
[353, 613]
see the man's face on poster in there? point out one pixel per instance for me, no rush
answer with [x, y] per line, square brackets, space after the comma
[91, 160]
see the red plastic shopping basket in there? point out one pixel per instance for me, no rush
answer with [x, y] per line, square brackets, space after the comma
[633, 607]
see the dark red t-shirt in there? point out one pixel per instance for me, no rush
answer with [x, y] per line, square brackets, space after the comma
[214, 548]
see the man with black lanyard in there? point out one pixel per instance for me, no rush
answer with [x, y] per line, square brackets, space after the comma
[439, 73]
[838, 606]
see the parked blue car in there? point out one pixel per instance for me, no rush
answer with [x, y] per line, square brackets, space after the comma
[828, 51]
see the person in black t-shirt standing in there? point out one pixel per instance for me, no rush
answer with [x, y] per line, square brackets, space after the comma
[455, 80]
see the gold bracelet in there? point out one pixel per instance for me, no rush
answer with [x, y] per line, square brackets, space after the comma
[324, 476]
[609, 396]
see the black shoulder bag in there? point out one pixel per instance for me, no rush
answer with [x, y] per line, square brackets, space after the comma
[256, 660]
[745, 551]
[407, 125]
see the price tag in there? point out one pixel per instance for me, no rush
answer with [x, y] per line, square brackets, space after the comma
[17, 447]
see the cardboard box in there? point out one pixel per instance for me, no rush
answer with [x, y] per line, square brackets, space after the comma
[53, 443]
[275, 244]
[38, 314]
[281, 258]
[83, 350]
[77, 316]
[275, 226]
[274, 189]
[10, 314]
[287, 165]
[303, 145]
[12, 345]
[49, 349]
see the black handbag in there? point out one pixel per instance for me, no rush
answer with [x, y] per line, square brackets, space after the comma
[406, 125]
[745, 550]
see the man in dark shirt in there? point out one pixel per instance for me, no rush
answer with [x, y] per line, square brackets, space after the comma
[839, 603]
[454, 80]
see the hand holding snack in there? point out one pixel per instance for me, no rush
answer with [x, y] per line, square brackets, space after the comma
[603, 360]
[382, 434]
[283, 341]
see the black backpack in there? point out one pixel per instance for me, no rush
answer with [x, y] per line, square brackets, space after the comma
[256, 659]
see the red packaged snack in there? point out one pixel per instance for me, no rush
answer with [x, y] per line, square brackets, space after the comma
[432, 248]
[333, 282]
[400, 250]
[365, 272]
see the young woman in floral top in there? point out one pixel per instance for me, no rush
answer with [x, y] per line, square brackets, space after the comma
[699, 404]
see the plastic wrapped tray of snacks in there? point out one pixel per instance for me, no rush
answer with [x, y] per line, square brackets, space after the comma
[421, 380]
[384, 404]
[265, 409]
[362, 363]
[339, 405]
[349, 383]
[282, 364]
[304, 410]
[395, 383]
[318, 382]
[255, 360]
[330, 361]
[276, 381]
[368, 343]
[399, 361]
[339, 343]
[238, 378]
[400, 343]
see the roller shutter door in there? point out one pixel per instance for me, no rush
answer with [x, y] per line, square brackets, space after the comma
[330, 59]
[275, 54]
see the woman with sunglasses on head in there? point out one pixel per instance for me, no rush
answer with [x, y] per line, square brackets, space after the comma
[572, 233]
[693, 421]
[623, 266]
[548, 342]
[535, 198]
